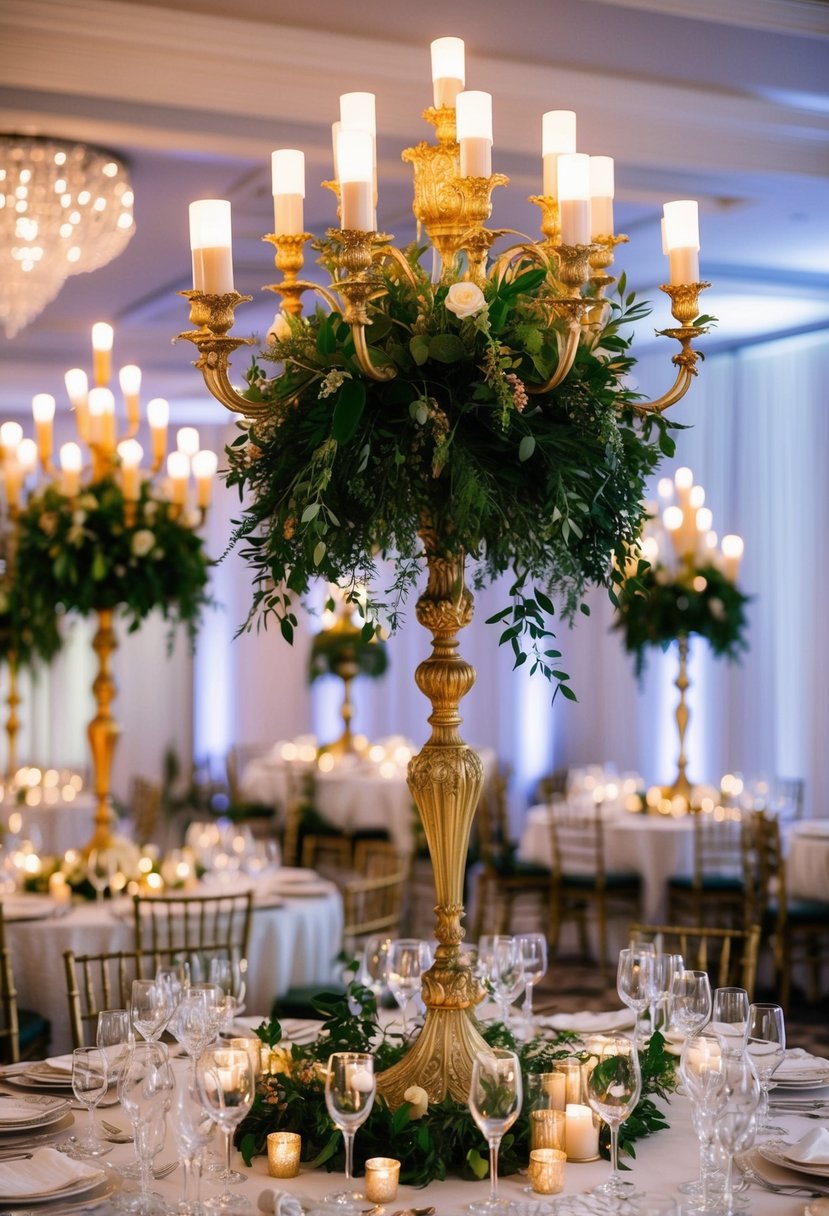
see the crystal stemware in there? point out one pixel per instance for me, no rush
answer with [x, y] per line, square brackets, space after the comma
[192, 1023]
[89, 1084]
[729, 1014]
[495, 1095]
[145, 1090]
[614, 1086]
[150, 1008]
[101, 868]
[350, 1087]
[635, 979]
[690, 1001]
[193, 1130]
[766, 1047]
[506, 973]
[666, 966]
[408, 958]
[735, 1125]
[226, 1082]
[702, 1071]
[375, 963]
[113, 1034]
[533, 947]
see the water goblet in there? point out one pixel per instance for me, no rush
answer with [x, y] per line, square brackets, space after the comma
[613, 1089]
[766, 1047]
[193, 1130]
[506, 973]
[729, 1014]
[145, 1089]
[192, 1024]
[533, 947]
[113, 1034]
[175, 978]
[228, 974]
[666, 966]
[374, 964]
[409, 957]
[494, 1102]
[226, 1082]
[702, 1071]
[690, 1001]
[101, 868]
[149, 1008]
[735, 1125]
[350, 1087]
[89, 1084]
[635, 980]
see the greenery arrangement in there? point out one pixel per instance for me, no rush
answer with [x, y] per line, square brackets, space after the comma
[331, 648]
[465, 444]
[657, 605]
[431, 1141]
[94, 552]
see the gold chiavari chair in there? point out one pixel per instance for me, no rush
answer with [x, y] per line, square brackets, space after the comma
[715, 892]
[728, 955]
[102, 981]
[23, 1034]
[199, 927]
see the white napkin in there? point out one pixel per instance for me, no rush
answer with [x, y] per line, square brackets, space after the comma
[587, 1022]
[799, 1064]
[47, 1171]
[60, 1065]
[811, 1149]
[281, 1203]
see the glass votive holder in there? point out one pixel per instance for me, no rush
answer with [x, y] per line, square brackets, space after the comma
[382, 1174]
[547, 1129]
[571, 1070]
[253, 1048]
[547, 1170]
[283, 1154]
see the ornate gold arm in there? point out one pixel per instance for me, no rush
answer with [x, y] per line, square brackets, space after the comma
[289, 259]
[573, 268]
[684, 307]
[214, 316]
[360, 285]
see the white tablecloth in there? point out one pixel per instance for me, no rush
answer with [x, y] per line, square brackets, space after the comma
[293, 944]
[653, 846]
[55, 828]
[807, 863]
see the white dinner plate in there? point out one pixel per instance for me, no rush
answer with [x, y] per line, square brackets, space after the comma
[73, 1189]
[31, 1110]
[27, 907]
[291, 875]
[777, 1151]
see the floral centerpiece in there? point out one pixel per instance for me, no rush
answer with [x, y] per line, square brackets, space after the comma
[95, 552]
[431, 1140]
[465, 444]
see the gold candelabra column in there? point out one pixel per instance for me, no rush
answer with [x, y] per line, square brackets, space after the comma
[681, 786]
[445, 779]
[347, 668]
[12, 721]
[103, 731]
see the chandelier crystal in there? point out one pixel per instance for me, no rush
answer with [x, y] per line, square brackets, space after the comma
[65, 208]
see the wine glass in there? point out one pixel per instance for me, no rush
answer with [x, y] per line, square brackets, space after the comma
[228, 974]
[690, 1001]
[409, 957]
[729, 1015]
[506, 973]
[193, 1130]
[350, 1086]
[635, 979]
[736, 1120]
[226, 1082]
[149, 1008]
[533, 947]
[89, 1084]
[175, 978]
[192, 1023]
[494, 1102]
[766, 1047]
[702, 1070]
[666, 966]
[145, 1089]
[375, 962]
[101, 868]
[613, 1090]
[113, 1034]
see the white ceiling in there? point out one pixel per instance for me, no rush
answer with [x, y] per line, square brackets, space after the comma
[723, 100]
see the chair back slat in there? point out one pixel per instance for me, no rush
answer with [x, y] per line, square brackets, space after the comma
[204, 924]
[9, 1021]
[728, 955]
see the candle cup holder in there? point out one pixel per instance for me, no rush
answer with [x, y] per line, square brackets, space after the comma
[283, 1154]
[550, 220]
[546, 1170]
[547, 1129]
[382, 1175]
[443, 119]
[289, 259]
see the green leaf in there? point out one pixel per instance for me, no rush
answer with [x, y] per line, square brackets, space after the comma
[567, 692]
[478, 1164]
[319, 552]
[99, 566]
[446, 348]
[310, 512]
[419, 348]
[348, 411]
[287, 630]
[545, 602]
[326, 339]
[526, 447]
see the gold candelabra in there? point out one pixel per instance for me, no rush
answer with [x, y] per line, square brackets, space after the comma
[107, 457]
[453, 186]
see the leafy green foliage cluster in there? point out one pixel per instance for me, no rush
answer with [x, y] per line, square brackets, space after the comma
[460, 451]
[332, 648]
[445, 1140]
[87, 554]
[657, 605]
[29, 632]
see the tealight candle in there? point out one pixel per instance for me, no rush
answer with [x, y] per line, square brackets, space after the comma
[59, 889]
[547, 1129]
[547, 1170]
[581, 1136]
[382, 1174]
[283, 1154]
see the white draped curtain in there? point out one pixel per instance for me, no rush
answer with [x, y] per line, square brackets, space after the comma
[758, 442]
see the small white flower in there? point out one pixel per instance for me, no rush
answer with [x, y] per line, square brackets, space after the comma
[143, 542]
[280, 330]
[465, 299]
[418, 1100]
[717, 608]
[332, 382]
[79, 518]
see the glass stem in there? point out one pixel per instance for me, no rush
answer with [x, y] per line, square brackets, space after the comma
[704, 1173]
[90, 1132]
[728, 1190]
[528, 1001]
[614, 1152]
[227, 1133]
[348, 1140]
[186, 1201]
[494, 1145]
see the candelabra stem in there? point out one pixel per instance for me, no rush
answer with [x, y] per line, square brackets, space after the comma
[682, 786]
[445, 779]
[13, 721]
[103, 730]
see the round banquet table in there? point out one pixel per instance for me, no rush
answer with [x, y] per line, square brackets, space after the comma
[662, 1162]
[653, 846]
[292, 943]
[807, 860]
[54, 827]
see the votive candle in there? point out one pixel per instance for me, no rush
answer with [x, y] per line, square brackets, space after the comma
[284, 1149]
[581, 1136]
[382, 1174]
[547, 1128]
[546, 1170]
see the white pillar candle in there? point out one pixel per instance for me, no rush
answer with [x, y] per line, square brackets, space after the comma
[102, 418]
[178, 471]
[70, 464]
[27, 456]
[448, 70]
[204, 465]
[558, 138]
[187, 440]
[358, 113]
[581, 1136]
[130, 454]
[356, 176]
[682, 240]
[211, 245]
[683, 484]
[732, 552]
[556, 1086]
[129, 378]
[102, 338]
[158, 417]
[288, 186]
[474, 132]
[77, 390]
[574, 198]
[43, 412]
[601, 196]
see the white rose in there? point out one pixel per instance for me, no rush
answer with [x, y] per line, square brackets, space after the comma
[143, 542]
[280, 330]
[465, 299]
[418, 1101]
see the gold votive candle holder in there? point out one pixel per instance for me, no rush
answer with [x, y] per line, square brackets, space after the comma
[547, 1170]
[547, 1129]
[382, 1174]
[283, 1154]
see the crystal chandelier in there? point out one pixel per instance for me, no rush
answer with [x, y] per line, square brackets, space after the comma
[64, 208]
